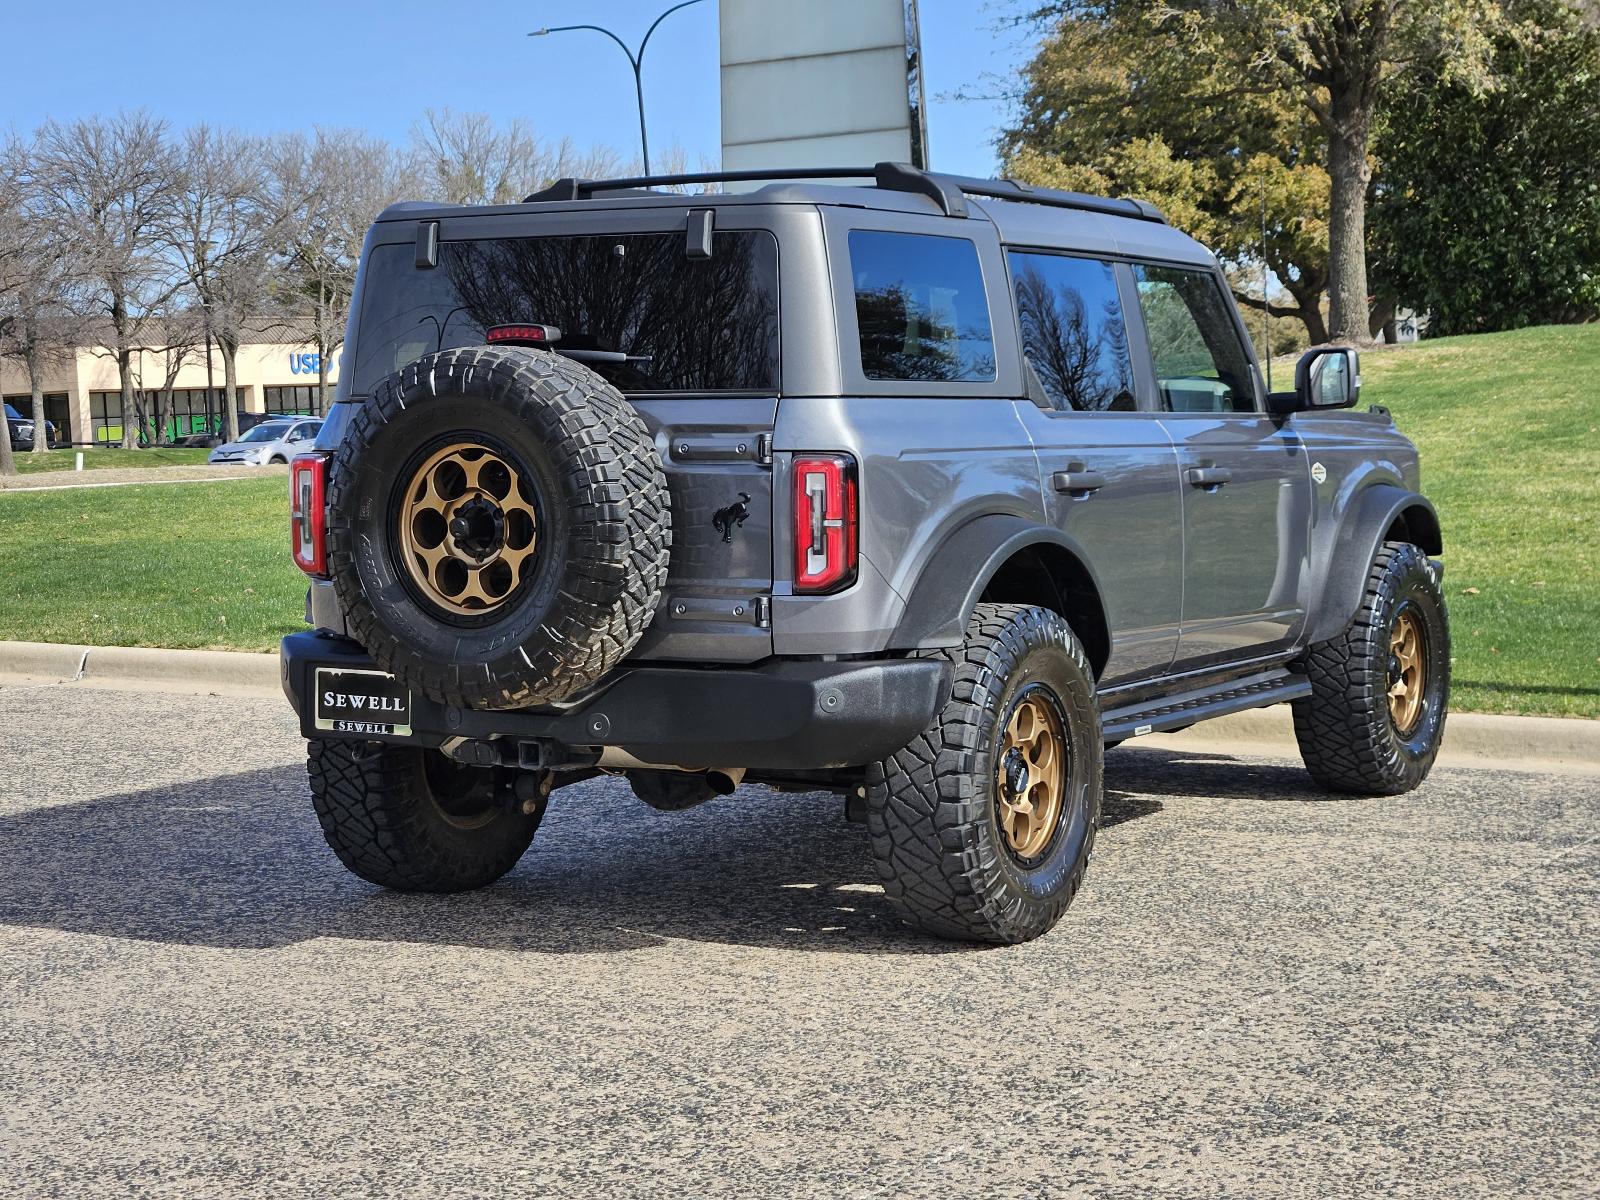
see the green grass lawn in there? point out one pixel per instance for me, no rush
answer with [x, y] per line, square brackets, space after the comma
[202, 565]
[1509, 429]
[1508, 424]
[96, 458]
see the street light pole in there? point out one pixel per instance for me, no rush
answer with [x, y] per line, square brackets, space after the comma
[635, 60]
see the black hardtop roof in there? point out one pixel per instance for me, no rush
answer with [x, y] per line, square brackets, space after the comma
[1023, 210]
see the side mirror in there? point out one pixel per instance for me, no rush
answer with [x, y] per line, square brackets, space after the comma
[1327, 377]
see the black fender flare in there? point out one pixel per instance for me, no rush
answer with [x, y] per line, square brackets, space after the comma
[942, 600]
[1339, 570]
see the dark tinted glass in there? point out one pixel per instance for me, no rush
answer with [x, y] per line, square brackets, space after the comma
[687, 325]
[1073, 332]
[1200, 361]
[920, 307]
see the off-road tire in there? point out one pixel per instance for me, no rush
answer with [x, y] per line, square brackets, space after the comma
[1347, 737]
[383, 818]
[606, 534]
[931, 807]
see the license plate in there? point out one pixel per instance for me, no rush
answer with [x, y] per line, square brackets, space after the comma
[373, 703]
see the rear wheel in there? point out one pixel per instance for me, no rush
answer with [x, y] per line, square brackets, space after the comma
[1379, 691]
[415, 821]
[983, 826]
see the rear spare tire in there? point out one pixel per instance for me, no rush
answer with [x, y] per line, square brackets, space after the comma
[498, 526]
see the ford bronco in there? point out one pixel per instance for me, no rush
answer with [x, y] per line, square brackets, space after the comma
[918, 489]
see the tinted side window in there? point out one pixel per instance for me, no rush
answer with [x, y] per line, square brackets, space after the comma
[1073, 332]
[920, 307]
[1200, 362]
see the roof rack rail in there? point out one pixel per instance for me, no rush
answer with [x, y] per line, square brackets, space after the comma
[1025, 193]
[582, 189]
[949, 192]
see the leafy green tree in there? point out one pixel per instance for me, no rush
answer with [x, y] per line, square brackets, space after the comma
[1488, 213]
[1283, 62]
[1108, 108]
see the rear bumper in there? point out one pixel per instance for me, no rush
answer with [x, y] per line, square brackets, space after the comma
[783, 715]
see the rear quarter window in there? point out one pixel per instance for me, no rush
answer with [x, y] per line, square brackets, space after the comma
[921, 310]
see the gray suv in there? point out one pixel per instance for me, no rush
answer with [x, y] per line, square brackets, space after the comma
[919, 489]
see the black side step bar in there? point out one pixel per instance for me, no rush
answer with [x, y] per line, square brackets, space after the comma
[1272, 686]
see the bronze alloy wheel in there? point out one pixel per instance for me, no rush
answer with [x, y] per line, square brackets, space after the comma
[464, 796]
[1407, 672]
[468, 529]
[1031, 774]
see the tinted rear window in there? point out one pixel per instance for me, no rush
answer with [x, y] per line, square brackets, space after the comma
[694, 325]
[920, 307]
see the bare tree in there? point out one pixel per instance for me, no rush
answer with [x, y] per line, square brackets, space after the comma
[108, 185]
[325, 192]
[466, 158]
[675, 161]
[39, 326]
[183, 334]
[223, 229]
[11, 276]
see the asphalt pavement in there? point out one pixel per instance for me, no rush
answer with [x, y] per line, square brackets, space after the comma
[1261, 991]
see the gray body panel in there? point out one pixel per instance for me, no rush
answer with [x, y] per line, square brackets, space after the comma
[956, 478]
[1130, 533]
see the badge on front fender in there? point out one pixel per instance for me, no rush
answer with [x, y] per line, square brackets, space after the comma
[373, 703]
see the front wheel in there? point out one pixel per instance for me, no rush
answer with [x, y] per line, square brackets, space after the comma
[1380, 690]
[982, 827]
[414, 820]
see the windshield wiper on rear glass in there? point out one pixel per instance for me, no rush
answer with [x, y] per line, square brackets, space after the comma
[605, 356]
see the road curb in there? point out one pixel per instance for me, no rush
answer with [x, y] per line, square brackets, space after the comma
[1470, 738]
[160, 670]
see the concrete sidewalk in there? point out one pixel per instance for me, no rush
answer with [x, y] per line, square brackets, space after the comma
[104, 477]
[1471, 739]
[137, 668]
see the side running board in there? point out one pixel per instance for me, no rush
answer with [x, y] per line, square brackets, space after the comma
[1186, 708]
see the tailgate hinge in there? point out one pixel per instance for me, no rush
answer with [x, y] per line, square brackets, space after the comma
[763, 612]
[764, 449]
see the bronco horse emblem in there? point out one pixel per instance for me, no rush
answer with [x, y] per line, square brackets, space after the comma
[725, 520]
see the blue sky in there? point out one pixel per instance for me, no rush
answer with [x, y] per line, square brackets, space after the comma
[376, 64]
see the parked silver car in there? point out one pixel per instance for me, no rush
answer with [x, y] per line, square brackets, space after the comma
[270, 442]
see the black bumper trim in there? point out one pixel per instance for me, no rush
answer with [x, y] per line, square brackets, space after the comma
[783, 715]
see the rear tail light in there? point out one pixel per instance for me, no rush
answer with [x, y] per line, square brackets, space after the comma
[308, 512]
[825, 521]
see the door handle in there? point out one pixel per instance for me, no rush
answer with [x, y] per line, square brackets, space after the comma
[1208, 476]
[1077, 482]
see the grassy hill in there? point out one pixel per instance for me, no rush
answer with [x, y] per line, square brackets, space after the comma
[1509, 429]
[1508, 424]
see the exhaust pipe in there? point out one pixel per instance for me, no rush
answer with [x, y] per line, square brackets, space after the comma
[723, 780]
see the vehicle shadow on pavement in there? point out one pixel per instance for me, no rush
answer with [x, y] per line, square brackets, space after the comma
[238, 861]
[1151, 772]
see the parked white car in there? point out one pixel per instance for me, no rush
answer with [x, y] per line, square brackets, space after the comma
[269, 442]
